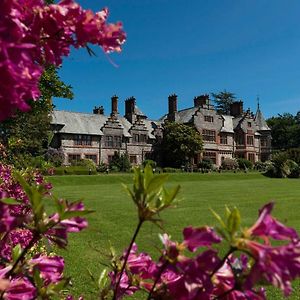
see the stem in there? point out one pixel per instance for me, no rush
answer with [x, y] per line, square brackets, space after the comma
[126, 257]
[163, 267]
[222, 262]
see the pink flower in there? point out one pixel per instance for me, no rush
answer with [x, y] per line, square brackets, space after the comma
[266, 226]
[199, 237]
[278, 265]
[50, 267]
[20, 289]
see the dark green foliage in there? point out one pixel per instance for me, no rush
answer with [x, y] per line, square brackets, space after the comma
[28, 134]
[244, 164]
[150, 162]
[171, 170]
[74, 170]
[206, 164]
[223, 100]
[294, 154]
[282, 166]
[120, 163]
[285, 131]
[55, 156]
[180, 143]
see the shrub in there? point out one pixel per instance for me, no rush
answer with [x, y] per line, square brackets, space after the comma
[206, 164]
[171, 170]
[55, 156]
[229, 164]
[149, 162]
[294, 154]
[102, 167]
[120, 163]
[244, 164]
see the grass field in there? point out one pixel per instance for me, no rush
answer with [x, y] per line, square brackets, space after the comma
[115, 216]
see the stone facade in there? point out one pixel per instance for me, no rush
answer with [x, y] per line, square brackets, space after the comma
[98, 137]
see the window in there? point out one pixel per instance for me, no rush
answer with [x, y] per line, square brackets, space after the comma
[249, 124]
[132, 159]
[240, 139]
[251, 157]
[209, 119]
[109, 158]
[223, 139]
[108, 141]
[73, 158]
[117, 142]
[209, 135]
[210, 155]
[136, 138]
[264, 142]
[83, 140]
[250, 140]
[93, 157]
[143, 138]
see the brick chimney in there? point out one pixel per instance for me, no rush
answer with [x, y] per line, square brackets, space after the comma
[201, 100]
[172, 99]
[172, 113]
[236, 108]
[114, 105]
[98, 110]
[130, 109]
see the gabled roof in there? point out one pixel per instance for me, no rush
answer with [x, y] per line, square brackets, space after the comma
[78, 123]
[183, 116]
[228, 124]
[260, 120]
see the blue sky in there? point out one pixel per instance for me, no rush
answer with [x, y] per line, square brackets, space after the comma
[192, 47]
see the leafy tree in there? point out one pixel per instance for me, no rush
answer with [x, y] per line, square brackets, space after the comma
[120, 162]
[29, 133]
[223, 101]
[285, 131]
[180, 143]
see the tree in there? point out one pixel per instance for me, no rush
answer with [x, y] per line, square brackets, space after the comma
[223, 101]
[285, 131]
[28, 134]
[180, 143]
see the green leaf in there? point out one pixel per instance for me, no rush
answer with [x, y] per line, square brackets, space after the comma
[102, 281]
[75, 213]
[156, 182]
[234, 221]
[10, 201]
[217, 216]
[16, 252]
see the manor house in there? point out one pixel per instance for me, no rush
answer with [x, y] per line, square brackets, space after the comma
[98, 136]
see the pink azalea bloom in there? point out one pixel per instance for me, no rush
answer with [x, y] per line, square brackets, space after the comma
[266, 226]
[50, 267]
[20, 289]
[199, 237]
[278, 265]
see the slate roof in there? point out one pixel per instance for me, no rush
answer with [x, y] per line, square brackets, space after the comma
[183, 116]
[78, 123]
[81, 123]
[260, 120]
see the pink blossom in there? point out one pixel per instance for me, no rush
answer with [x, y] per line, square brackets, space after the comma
[33, 34]
[50, 267]
[266, 226]
[199, 237]
[20, 289]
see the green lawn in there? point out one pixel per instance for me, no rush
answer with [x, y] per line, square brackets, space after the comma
[115, 216]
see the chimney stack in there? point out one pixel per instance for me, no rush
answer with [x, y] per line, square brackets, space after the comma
[114, 105]
[201, 100]
[236, 108]
[129, 106]
[172, 103]
[98, 110]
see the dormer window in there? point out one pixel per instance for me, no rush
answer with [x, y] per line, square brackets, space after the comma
[249, 124]
[209, 119]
